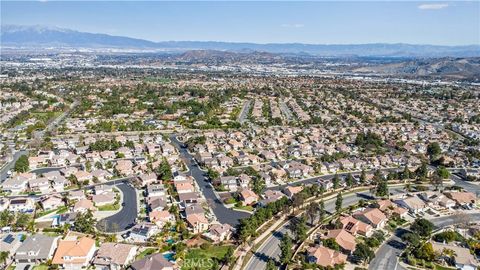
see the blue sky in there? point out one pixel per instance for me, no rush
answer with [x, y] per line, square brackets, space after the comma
[428, 22]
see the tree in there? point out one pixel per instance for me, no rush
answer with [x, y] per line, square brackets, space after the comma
[297, 200]
[443, 172]
[286, 245]
[422, 171]
[258, 185]
[339, 202]
[312, 211]
[382, 189]
[331, 244]
[271, 265]
[349, 180]
[436, 181]
[406, 173]
[164, 170]
[422, 227]
[411, 238]
[6, 218]
[363, 177]
[21, 165]
[22, 220]
[228, 258]
[299, 228]
[425, 252]
[85, 222]
[321, 207]
[336, 181]
[212, 174]
[363, 253]
[433, 150]
[3, 257]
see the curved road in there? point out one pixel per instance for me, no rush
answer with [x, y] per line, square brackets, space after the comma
[223, 214]
[270, 248]
[125, 219]
[386, 256]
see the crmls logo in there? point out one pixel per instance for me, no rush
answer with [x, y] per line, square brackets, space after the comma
[203, 263]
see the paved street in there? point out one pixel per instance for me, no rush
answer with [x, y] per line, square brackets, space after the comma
[244, 113]
[386, 256]
[9, 166]
[270, 248]
[223, 214]
[126, 218]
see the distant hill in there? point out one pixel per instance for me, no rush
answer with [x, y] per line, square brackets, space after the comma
[40, 36]
[455, 68]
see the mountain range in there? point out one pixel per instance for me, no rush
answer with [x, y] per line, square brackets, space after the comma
[15, 36]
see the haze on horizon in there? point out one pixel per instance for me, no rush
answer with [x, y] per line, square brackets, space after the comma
[359, 22]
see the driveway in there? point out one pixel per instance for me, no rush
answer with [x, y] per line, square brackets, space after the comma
[223, 214]
[126, 218]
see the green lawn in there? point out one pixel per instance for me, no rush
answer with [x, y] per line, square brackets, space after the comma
[246, 207]
[59, 210]
[439, 267]
[109, 207]
[198, 254]
[146, 252]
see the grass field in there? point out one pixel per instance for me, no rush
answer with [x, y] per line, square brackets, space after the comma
[146, 252]
[198, 254]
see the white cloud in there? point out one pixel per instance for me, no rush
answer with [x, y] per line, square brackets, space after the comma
[432, 6]
[295, 25]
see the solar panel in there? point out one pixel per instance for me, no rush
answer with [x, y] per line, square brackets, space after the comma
[9, 239]
[349, 226]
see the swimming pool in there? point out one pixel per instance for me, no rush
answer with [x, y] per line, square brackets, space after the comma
[169, 256]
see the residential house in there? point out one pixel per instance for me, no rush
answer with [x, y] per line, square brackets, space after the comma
[74, 253]
[143, 231]
[462, 198]
[197, 222]
[219, 232]
[355, 226]
[248, 197]
[344, 239]
[161, 217]
[37, 248]
[464, 260]
[146, 179]
[414, 204]
[271, 196]
[114, 256]
[372, 216]
[325, 257]
[51, 202]
[24, 205]
[292, 190]
[152, 262]
[104, 198]
[83, 206]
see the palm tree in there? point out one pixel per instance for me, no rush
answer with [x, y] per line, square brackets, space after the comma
[3, 257]
[451, 254]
